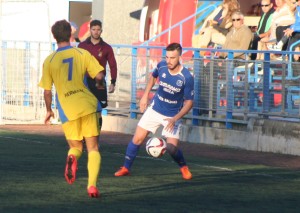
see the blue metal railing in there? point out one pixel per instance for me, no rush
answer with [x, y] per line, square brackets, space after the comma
[248, 89]
[266, 108]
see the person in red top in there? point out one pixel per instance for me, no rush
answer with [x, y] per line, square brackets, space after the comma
[103, 52]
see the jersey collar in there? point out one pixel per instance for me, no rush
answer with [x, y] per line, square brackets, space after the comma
[64, 48]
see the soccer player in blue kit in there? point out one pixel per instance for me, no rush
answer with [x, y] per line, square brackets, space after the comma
[173, 100]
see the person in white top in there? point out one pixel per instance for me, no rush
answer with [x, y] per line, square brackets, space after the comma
[283, 18]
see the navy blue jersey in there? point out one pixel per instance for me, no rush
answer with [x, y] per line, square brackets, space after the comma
[173, 90]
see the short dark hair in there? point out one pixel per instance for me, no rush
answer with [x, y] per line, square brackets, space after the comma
[61, 31]
[96, 23]
[174, 46]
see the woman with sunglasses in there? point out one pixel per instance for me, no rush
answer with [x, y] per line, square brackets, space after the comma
[216, 27]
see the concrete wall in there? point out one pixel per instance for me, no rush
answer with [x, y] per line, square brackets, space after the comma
[118, 26]
[264, 135]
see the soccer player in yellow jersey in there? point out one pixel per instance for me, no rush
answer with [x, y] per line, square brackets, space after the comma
[66, 68]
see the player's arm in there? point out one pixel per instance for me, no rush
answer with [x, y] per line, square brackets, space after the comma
[187, 106]
[48, 102]
[95, 71]
[113, 70]
[144, 99]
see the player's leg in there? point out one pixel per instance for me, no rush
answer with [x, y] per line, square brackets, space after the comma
[100, 120]
[90, 132]
[134, 146]
[74, 137]
[174, 151]
[93, 165]
[101, 95]
[148, 123]
[132, 151]
[177, 155]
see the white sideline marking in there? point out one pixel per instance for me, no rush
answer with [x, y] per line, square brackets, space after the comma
[204, 166]
[151, 158]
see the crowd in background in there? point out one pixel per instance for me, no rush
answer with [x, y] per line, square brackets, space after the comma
[277, 29]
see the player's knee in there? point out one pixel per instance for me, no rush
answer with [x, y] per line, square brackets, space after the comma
[171, 149]
[137, 141]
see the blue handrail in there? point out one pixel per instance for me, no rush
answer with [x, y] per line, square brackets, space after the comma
[290, 69]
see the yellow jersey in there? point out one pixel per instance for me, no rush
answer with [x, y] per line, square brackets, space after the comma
[66, 68]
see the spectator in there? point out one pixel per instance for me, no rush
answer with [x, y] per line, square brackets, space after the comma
[104, 54]
[263, 27]
[292, 34]
[215, 29]
[239, 36]
[283, 18]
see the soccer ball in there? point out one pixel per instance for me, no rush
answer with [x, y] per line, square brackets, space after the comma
[156, 147]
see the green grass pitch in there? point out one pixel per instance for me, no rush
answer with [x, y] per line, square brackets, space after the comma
[32, 180]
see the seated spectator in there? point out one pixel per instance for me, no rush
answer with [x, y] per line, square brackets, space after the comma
[239, 36]
[215, 29]
[283, 18]
[292, 34]
[263, 27]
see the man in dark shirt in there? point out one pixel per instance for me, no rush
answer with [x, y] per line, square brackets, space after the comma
[103, 52]
[264, 25]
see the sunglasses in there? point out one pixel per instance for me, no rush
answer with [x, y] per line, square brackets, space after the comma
[238, 19]
[265, 5]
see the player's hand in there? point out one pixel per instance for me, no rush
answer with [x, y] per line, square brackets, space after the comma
[100, 84]
[49, 115]
[111, 88]
[171, 124]
[143, 103]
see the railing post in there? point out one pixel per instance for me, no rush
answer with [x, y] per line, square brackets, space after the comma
[266, 83]
[27, 74]
[229, 96]
[2, 79]
[164, 52]
[197, 85]
[180, 31]
[4, 72]
[133, 107]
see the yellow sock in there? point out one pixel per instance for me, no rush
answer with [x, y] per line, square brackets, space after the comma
[76, 152]
[94, 164]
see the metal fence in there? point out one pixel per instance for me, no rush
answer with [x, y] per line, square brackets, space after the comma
[228, 91]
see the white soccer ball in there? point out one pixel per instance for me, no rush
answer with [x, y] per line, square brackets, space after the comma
[156, 147]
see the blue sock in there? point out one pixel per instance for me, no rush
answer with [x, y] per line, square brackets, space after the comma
[178, 158]
[131, 153]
